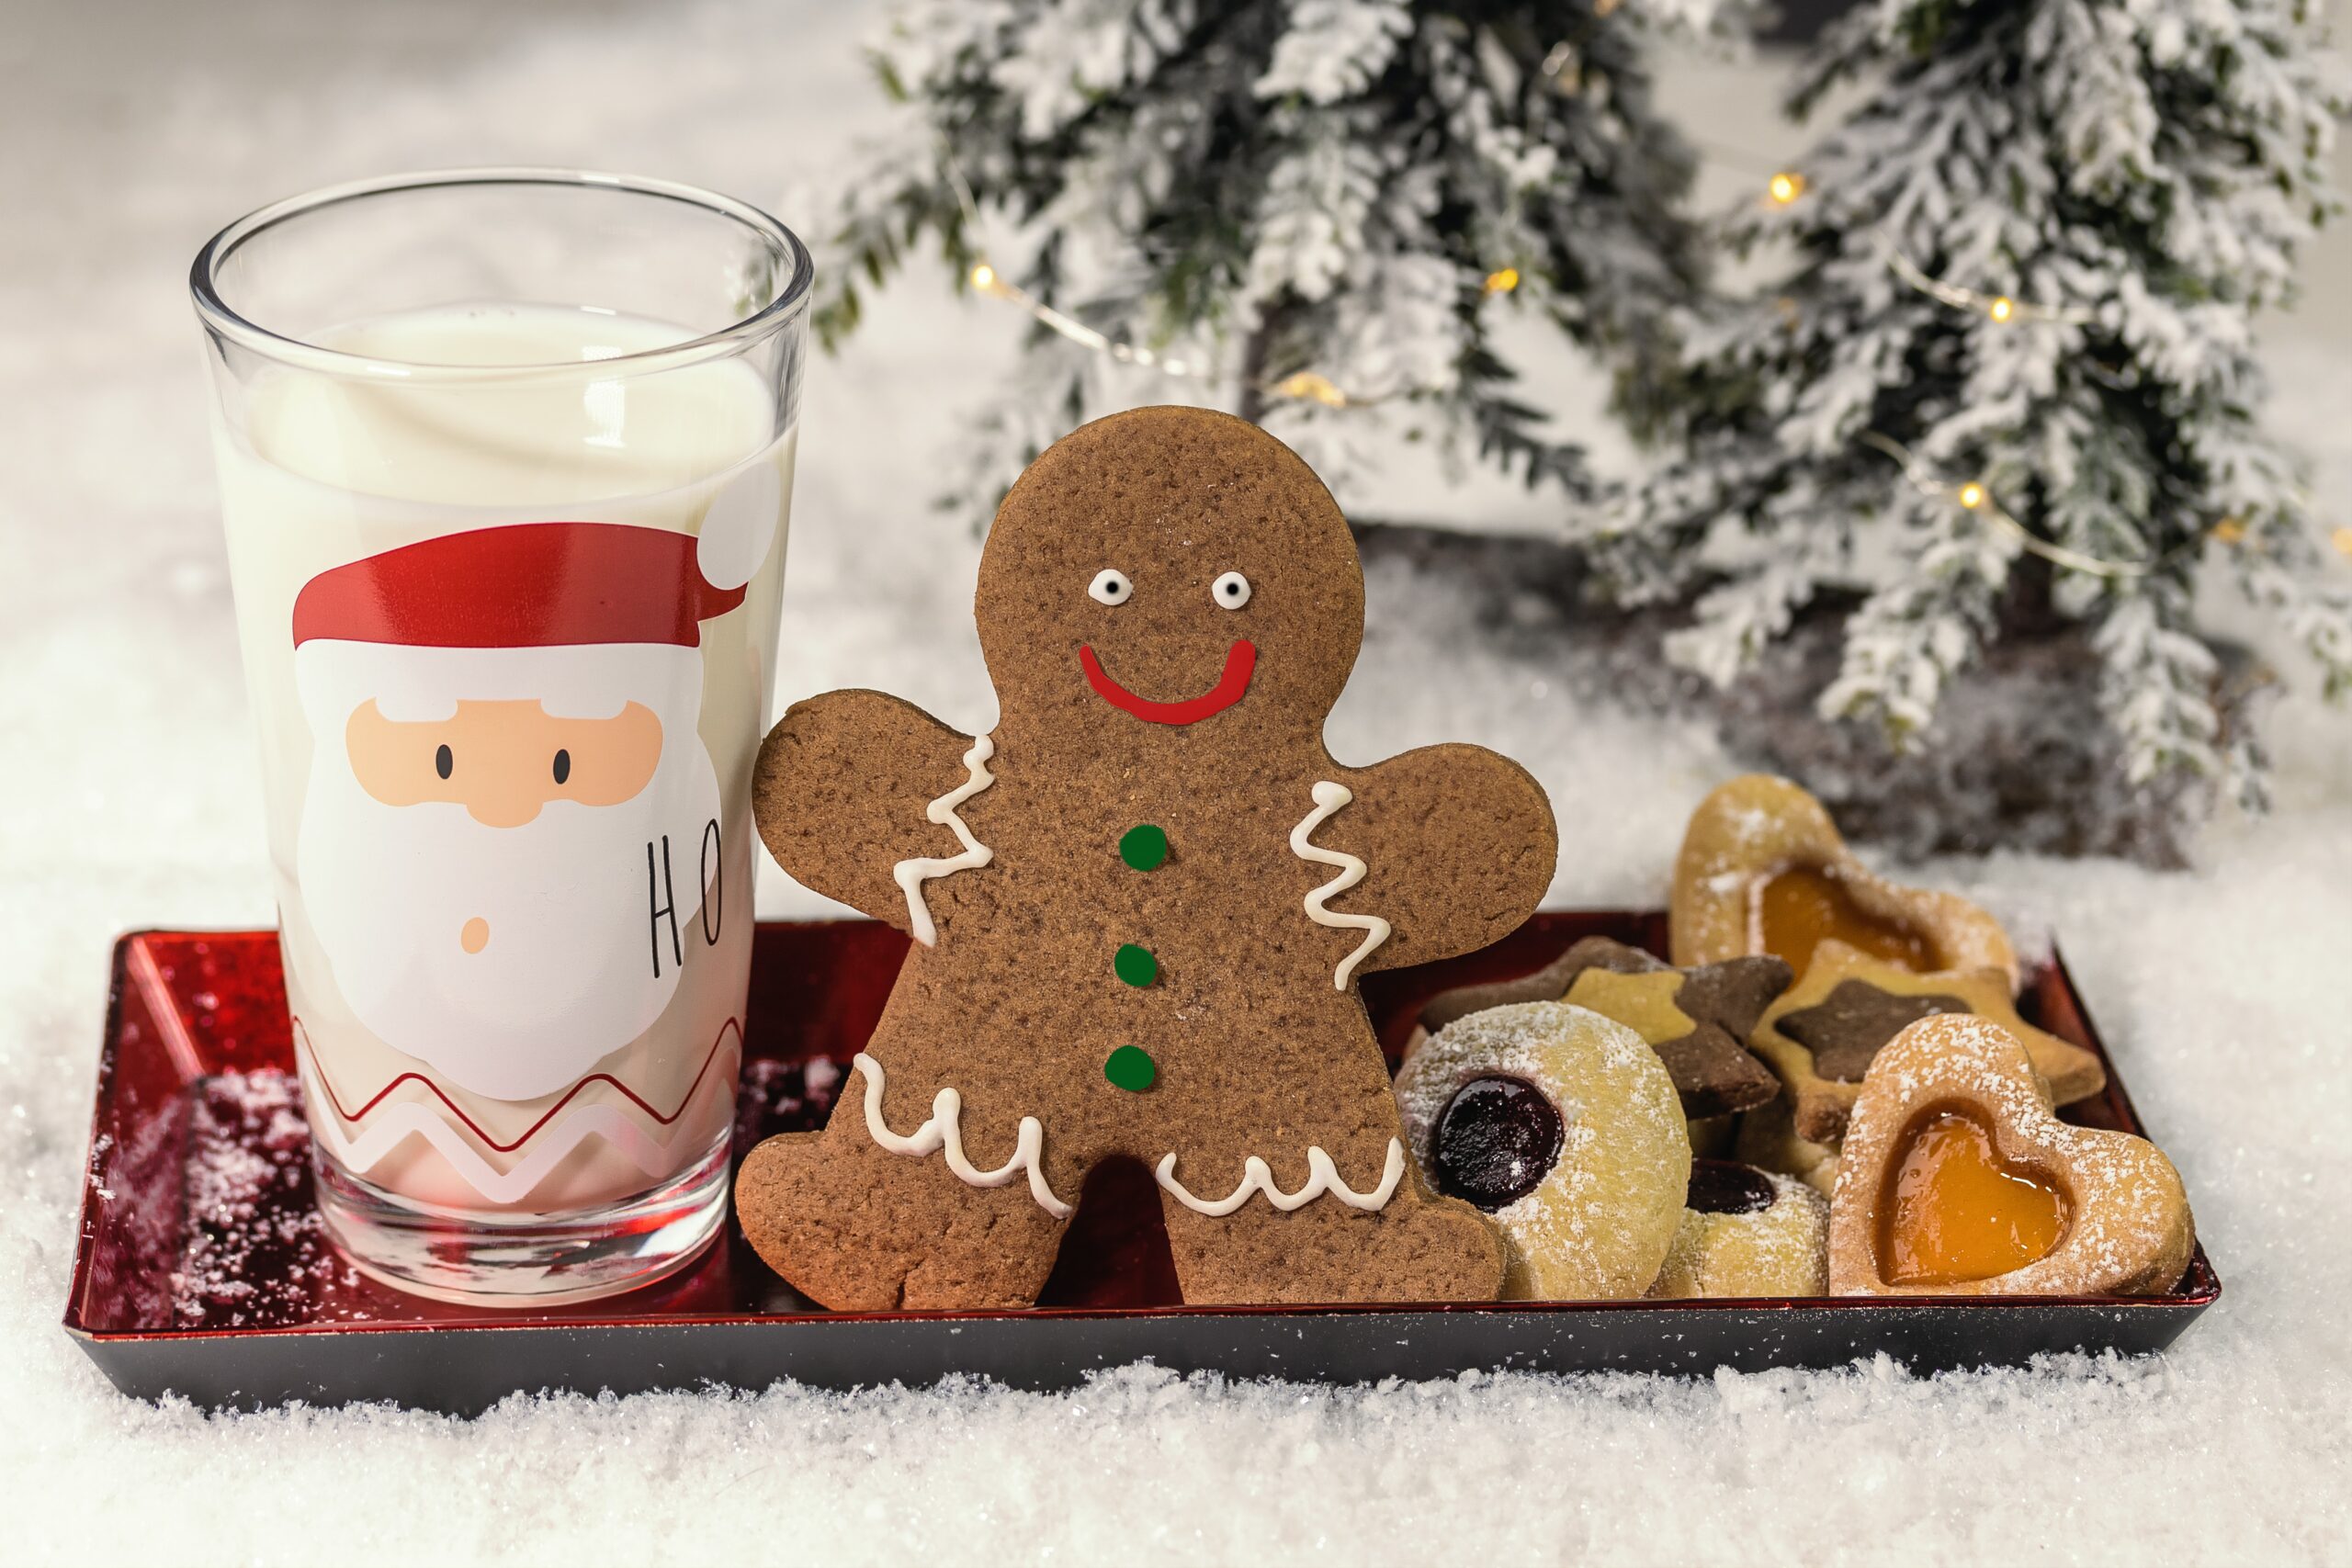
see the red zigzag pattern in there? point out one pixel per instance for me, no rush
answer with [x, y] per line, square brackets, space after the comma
[552, 1112]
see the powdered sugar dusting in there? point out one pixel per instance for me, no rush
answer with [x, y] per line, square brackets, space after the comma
[2128, 1225]
[1781, 1250]
[1600, 1225]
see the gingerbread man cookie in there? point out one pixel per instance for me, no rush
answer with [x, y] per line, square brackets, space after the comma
[1140, 906]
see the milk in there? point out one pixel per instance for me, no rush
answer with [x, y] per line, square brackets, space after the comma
[322, 470]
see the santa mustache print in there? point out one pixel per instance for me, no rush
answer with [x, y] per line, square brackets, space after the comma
[511, 837]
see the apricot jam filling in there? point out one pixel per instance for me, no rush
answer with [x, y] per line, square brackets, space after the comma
[1953, 1211]
[1794, 909]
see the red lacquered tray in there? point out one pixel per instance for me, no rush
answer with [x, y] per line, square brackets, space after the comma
[201, 1268]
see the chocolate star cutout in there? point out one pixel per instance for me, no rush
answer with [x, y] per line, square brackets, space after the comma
[1822, 1036]
[1845, 1030]
[1694, 1019]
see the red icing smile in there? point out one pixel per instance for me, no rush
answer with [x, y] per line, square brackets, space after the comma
[1240, 660]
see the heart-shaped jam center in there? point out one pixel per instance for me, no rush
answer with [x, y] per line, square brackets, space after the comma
[1795, 910]
[1954, 1211]
[1496, 1140]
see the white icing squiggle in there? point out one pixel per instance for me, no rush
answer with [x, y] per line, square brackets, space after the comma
[1329, 798]
[1258, 1177]
[910, 874]
[945, 1131]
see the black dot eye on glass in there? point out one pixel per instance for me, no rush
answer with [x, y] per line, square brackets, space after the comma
[563, 767]
[441, 761]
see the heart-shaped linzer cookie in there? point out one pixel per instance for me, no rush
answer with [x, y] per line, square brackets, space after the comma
[1821, 1035]
[1958, 1179]
[1764, 871]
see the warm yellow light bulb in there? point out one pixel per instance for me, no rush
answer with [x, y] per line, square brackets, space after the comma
[1503, 280]
[1786, 186]
[1972, 495]
[2342, 540]
[2229, 530]
[2002, 308]
[1602, 7]
[1315, 388]
[984, 277]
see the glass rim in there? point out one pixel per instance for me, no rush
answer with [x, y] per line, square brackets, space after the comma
[217, 315]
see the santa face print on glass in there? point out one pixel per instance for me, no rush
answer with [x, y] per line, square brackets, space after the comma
[513, 825]
[507, 578]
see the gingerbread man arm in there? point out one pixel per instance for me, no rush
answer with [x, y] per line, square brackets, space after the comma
[841, 793]
[1458, 845]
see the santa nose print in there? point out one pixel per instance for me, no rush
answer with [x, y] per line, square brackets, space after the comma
[503, 761]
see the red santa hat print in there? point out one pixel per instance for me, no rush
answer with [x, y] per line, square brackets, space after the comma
[547, 584]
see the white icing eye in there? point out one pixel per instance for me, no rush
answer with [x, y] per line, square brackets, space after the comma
[1111, 587]
[1231, 590]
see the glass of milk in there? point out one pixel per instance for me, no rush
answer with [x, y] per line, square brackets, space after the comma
[505, 460]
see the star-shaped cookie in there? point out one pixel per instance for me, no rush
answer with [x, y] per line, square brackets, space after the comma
[1694, 1019]
[1821, 1036]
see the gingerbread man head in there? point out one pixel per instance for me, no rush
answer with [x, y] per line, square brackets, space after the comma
[1159, 571]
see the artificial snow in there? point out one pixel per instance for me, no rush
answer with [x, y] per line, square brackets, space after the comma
[128, 798]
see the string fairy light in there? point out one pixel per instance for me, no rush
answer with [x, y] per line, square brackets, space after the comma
[1973, 497]
[1306, 385]
[1998, 308]
[1314, 387]
[986, 280]
[1786, 187]
[1783, 189]
[1303, 386]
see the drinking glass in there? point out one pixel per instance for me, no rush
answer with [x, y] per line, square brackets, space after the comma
[505, 459]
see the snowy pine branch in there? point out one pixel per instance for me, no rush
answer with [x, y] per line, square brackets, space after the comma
[1270, 190]
[2137, 178]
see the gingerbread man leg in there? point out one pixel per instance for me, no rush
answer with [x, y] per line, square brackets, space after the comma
[861, 1228]
[1414, 1247]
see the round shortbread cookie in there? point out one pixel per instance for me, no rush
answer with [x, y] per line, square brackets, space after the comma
[1773, 1241]
[1564, 1127]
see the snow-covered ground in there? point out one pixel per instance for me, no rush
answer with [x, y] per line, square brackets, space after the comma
[127, 797]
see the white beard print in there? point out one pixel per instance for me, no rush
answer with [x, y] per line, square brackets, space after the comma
[585, 945]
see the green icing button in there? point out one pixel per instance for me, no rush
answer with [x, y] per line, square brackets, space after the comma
[1130, 1068]
[1136, 965]
[1143, 846]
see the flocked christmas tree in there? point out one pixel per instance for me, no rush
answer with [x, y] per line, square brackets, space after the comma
[1292, 209]
[2008, 380]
